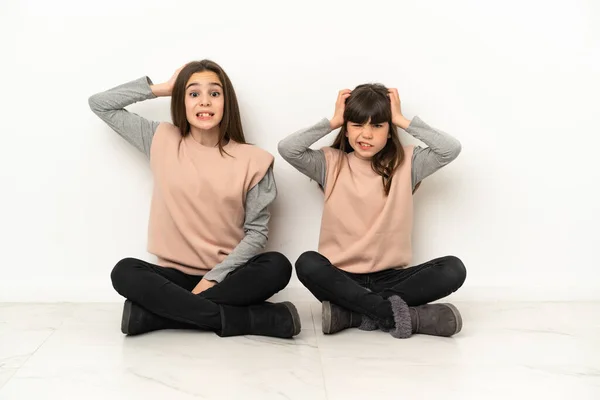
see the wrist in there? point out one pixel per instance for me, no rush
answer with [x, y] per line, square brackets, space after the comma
[401, 122]
[160, 90]
[334, 124]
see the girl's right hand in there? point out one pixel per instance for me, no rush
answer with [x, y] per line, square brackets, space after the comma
[166, 88]
[340, 105]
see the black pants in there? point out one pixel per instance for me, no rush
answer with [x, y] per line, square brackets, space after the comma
[167, 292]
[367, 293]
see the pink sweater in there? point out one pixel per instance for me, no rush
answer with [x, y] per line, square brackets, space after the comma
[197, 212]
[362, 230]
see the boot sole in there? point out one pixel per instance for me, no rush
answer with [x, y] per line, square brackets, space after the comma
[126, 317]
[457, 316]
[295, 317]
[326, 317]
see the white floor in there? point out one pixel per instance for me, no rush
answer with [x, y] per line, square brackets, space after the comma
[505, 351]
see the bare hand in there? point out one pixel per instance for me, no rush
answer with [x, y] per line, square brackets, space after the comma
[171, 82]
[340, 106]
[397, 117]
[166, 88]
[203, 285]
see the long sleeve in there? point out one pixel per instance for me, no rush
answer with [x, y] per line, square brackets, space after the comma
[295, 150]
[256, 228]
[442, 149]
[109, 106]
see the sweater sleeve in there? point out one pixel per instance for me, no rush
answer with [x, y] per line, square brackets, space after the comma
[256, 228]
[295, 150]
[442, 149]
[109, 106]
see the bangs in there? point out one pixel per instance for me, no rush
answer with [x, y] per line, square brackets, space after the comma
[368, 104]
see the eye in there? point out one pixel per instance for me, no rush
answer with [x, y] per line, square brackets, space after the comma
[193, 94]
[378, 126]
[215, 94]
[356, 125]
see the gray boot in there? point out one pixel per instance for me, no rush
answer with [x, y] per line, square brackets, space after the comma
[401, 327]
[336, 318]
[436, 319]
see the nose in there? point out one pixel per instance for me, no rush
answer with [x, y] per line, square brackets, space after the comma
[367, 132]
[205, 101]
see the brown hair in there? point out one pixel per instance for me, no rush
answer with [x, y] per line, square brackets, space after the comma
[230, 127]
[371, 101]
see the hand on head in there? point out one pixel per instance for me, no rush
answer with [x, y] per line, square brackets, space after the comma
[340, 105]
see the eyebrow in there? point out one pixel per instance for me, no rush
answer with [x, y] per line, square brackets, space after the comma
[210, 84]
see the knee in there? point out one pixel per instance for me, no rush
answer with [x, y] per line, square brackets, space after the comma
[280, 266]
[307, 264]
[121, 273]
[455, 271]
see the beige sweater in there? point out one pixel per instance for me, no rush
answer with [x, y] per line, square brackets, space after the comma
[362, 229]
[197, 212]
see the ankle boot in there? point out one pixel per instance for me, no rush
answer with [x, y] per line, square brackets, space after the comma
[335, 319]
[137, 320]
[400, 326]
[275, 320]
[436, 319]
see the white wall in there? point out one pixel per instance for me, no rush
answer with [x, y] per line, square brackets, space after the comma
[516, 81]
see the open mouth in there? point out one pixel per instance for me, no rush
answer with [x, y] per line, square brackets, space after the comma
[364, 146]
[204, 115]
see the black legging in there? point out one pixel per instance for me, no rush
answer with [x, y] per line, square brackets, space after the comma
[167, 291]
[367, 293]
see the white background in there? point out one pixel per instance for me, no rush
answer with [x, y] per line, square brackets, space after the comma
[516, 82]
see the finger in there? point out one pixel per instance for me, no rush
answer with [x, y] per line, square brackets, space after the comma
[179, 70]
[342, 97]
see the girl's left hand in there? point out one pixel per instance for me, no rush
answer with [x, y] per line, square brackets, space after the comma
[397, 117]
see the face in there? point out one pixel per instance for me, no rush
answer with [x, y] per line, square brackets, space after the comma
[204, 100]
[368, 139]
